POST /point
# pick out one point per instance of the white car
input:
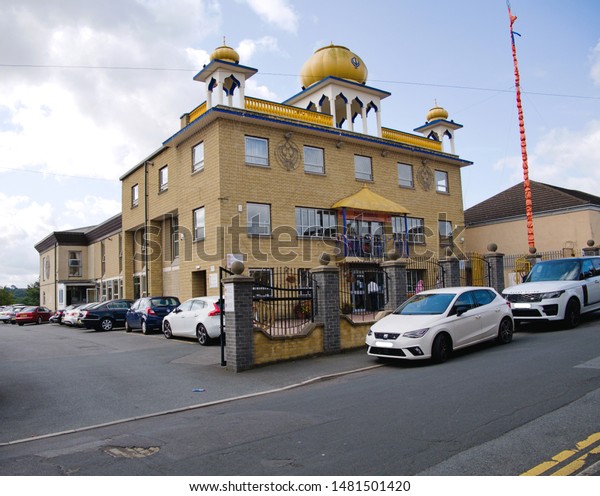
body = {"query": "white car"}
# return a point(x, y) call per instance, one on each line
point(557, 290)
point(433, 323)
point(198, 318)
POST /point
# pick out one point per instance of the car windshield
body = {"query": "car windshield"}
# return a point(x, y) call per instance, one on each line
point(164, 302)
point(27, 309)
point(555, 270)
point(426, 304)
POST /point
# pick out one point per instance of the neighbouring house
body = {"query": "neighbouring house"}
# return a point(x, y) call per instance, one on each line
point(81, 265)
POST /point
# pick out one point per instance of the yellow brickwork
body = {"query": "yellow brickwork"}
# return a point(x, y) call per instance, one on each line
point(269, 350)
point(352, 335)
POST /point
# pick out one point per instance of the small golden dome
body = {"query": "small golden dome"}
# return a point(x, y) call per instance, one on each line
point(333, 60)
point(225, 53)
point(436, 113)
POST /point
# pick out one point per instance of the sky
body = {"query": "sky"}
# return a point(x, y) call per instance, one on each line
point(88, 89)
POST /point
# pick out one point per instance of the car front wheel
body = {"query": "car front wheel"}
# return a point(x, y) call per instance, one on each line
point(106, 324)
point(202, 335)
point(441, 348)
point(572, 314)
point(505, 331)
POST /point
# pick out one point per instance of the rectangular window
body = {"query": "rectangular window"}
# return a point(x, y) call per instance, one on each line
point(163, 178)
point(405, 175)
point(175, 236)
point(75, 264)
point(445, 232)
point(313, 160)
point(259, 218)
point(199, 224)
point(198, 157)
point(441, 181)
point(257, 151)
point(363, 168)
point(415, 227)
point(316, 222)
point(135, 195)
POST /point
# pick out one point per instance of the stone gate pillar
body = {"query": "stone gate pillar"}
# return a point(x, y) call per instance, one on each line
point(451, 272)
point(328, 303)
point(496, 264)
point(395, 271)
point(239, 351)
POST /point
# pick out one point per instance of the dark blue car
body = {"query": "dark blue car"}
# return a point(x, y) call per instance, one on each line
point(147, 313)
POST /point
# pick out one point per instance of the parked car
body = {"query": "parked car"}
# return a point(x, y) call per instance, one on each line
point(7, 315)
point(557, 290)
point(32, 315)
point(106, 316)
point(195, 318)
point(147, 313)
point(56, 317)
point(79, 313)
point(70, 315)
point(433, 323)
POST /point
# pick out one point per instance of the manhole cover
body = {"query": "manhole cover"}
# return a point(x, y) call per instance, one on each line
point(131, 452)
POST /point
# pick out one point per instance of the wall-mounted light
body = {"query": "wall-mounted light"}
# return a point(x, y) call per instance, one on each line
point(384, 153)
point(339, 144)
point(288, 135)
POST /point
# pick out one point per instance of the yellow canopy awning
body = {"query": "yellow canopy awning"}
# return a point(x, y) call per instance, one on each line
point(367, 200)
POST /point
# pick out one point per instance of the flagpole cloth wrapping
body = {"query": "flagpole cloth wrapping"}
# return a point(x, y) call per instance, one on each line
point(528, 203)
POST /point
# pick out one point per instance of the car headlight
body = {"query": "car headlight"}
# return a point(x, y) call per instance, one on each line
point(419, 333)
point(552, 294)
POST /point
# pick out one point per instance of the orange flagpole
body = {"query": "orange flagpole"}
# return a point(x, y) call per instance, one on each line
point(527, 186)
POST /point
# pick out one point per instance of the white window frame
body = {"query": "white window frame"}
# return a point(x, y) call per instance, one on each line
point(414, 223)
point(441, 182)
point(314, 166)
point(256, 158)
point(199, 219)
point(262, 226)
point(163, 178)
point(445, 232)
point(75, 263)
point(404, 181)
point(198, 157)
point(316, 222)
point(360, 163)
point(135, 195)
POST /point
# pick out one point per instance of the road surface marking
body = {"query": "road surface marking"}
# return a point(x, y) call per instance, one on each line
point(578, 455)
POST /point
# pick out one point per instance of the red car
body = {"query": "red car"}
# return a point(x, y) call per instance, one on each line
point(33, 315)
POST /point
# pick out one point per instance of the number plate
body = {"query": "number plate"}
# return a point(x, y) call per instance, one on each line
point(384, 344)
point(522, 305)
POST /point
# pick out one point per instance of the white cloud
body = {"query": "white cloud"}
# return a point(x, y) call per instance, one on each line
point(595, 64)
point(562, 157)
point(21, 223)
point(78, 211)
point(247, 48)
point(277, 12)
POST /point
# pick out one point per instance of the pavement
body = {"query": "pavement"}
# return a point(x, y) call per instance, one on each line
point(217, 385)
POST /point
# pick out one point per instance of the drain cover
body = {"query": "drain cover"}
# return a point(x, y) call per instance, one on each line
point(131, 452)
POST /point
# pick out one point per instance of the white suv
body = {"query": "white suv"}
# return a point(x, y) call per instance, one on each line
point(557, 290)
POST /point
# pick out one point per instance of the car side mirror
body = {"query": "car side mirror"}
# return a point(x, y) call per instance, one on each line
point(177, 310)
point(460, 309)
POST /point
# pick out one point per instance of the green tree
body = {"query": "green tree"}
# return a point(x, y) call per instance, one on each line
point(32, 294)
point(6, 296)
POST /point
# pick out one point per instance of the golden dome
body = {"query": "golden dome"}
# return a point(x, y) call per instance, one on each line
point(225, 53)
point(436, 113)
point(333, 60)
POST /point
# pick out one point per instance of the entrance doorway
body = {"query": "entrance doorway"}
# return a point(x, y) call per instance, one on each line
point(198, 283)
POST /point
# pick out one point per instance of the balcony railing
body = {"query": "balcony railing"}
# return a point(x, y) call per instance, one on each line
point(299, 114)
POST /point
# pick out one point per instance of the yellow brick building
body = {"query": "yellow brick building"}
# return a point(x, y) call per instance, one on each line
point(278, 184)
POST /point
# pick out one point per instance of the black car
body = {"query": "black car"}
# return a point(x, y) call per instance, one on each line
point(105, 316)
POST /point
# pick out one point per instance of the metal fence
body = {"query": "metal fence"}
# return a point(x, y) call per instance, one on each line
point(283, 300)
point(475, 270)
point(424, 273)
point(363, 291)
